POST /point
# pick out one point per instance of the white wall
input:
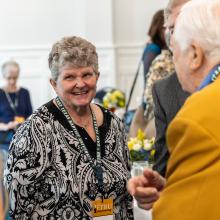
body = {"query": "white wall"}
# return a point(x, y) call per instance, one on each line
point(100, 30)
point(28, 23)
point(99, 25)
point(117, 27)
point(29, 27)
point(132, 20)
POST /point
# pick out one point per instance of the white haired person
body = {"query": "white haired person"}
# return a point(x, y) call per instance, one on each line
point(191, 190)
point(70, 159)
point(15, 108)
point(15, 104)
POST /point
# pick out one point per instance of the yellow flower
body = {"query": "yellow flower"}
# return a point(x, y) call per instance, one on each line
point(141, 148)
point(140, 135)
point(137, 146)
point(121, 103)
point(114, 99)
point(152, 140)
point(152, 153)
point(133, 142)
point(130, 145)
point(147, 144)
point(105, 103)
point(118, 94)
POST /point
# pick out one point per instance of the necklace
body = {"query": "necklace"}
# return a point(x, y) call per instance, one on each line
point(96, 165)
point(84, 123)
point(215, 74)
point(211, 77)
point(12, 104)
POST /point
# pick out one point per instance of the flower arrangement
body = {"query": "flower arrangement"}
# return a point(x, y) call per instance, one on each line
point(113, 100)
point(141, 149)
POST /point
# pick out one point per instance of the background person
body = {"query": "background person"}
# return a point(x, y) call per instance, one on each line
point(164, 111)
point(167, 96)
point(15, 107)
point(148, 191)
point(155, 43)
point(161, 67)
point(193, 136)
point(70, 153)
point(15, 104)
point(164, 94)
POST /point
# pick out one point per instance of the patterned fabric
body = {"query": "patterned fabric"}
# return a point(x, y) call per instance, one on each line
point(3, 194)
point(161, 66)
point(49, 177)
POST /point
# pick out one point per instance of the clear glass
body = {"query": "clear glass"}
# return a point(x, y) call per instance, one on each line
point(138, 167)
point(137, 170)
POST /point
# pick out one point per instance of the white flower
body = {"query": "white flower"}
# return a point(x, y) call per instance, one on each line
point(137, 147)
point(147, 145)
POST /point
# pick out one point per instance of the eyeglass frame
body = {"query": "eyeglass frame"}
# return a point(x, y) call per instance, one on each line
point(168, 34)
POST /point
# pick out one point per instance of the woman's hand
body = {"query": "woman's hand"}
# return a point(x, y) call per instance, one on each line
point(8, 126)
point(146, 188)
point(12, 125)
point(3, 127)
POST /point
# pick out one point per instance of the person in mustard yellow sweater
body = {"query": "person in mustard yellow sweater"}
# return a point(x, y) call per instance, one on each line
point(190, 191)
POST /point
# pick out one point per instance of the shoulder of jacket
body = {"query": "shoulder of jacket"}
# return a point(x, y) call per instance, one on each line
point(165, 83)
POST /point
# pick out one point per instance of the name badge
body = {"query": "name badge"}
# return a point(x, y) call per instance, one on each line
point(102, 209)
point(19, 119)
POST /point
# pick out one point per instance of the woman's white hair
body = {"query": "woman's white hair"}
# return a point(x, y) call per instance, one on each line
point(199, 21)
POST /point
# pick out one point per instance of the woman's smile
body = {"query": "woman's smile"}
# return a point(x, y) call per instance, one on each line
point(79, 93)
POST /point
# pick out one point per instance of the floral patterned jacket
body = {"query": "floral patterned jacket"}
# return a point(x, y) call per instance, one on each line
point(49, 177)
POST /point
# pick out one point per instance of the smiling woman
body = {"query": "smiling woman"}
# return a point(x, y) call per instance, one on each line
point(71, 156)
point(76, 86)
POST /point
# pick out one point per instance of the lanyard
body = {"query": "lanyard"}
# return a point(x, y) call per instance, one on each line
point(97, 168)
point(12, 104)
point(211, 77)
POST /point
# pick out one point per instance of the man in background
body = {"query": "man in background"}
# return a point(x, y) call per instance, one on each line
point(168, 96)
point(193, 137)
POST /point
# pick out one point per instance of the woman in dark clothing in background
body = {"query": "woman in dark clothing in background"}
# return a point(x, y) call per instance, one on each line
point(15, 107)
point(156, 42)
point(15, 104)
